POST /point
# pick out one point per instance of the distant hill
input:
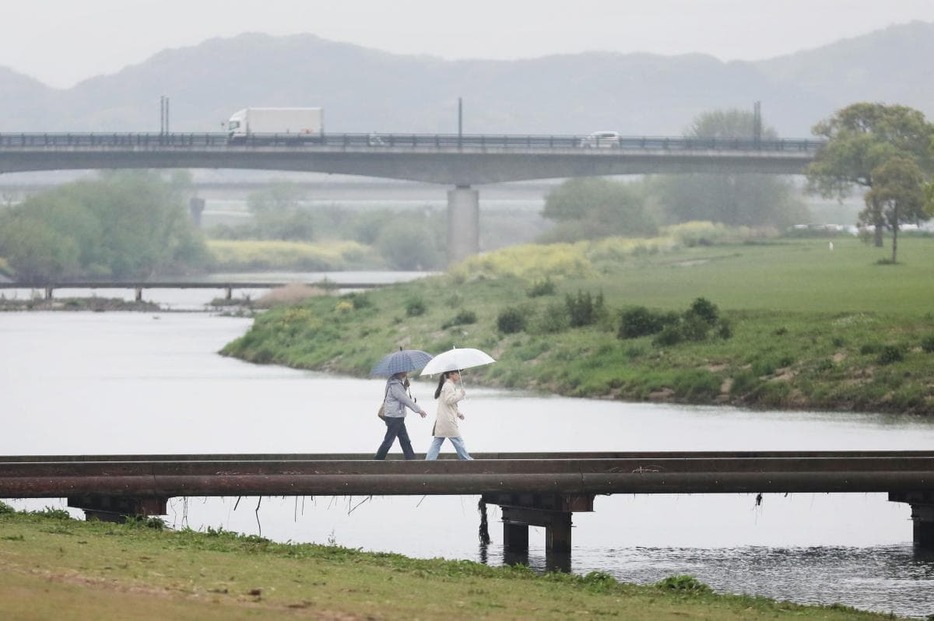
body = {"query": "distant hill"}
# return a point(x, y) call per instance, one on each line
point(365, 90)
point(890, 66)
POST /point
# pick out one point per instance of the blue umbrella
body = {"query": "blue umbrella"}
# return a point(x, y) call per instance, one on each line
point(403, 360)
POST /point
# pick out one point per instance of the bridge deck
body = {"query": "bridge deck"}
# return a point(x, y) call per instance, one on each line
point(166, 476)
point(449, 159)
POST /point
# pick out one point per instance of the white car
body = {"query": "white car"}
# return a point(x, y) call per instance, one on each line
point(604, 140)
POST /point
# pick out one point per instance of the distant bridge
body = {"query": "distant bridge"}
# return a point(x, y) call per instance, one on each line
point(139, 286)
point(449, 159)
point(457, 160)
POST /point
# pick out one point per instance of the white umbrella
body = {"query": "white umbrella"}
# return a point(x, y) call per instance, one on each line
point(456, 359)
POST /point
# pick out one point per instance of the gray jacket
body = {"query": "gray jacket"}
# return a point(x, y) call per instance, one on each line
point(397, 399)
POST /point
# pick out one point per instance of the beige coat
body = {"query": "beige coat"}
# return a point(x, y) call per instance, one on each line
point(447, 415)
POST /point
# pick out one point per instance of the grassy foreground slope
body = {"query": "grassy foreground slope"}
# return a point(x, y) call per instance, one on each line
point(810, 326)
point(58, 568)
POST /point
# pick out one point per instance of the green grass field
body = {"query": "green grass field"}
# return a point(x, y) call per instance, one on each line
point(58, 568)
point(784, 275)
point(809, 327)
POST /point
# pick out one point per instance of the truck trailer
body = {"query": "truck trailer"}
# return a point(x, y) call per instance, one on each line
point(276, 124)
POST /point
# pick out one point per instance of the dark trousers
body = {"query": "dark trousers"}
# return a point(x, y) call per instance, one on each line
point(395, 428)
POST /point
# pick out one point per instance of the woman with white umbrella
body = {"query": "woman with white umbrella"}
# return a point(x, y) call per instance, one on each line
point(448, 393)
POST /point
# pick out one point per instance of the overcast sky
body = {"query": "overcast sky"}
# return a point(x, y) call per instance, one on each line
point(61, 42)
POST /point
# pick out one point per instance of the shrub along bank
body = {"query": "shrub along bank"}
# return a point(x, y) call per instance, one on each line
point(779, 324)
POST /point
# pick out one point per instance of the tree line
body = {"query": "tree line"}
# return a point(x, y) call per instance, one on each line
point(886, 151)
point(123, 225)
point(135, 224)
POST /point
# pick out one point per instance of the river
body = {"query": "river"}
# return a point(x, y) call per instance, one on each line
point(152, 383)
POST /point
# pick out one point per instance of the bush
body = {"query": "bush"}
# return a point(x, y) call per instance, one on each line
point(552, 319)
point(694, 328)
point(541, 287)
point(705, 310)
point(585, 309)
point(415, 307)
point(511, 320)
point(890, 354)
point(684, 583)
point(465, 317)
point(640, 321)
point(359, 300)
point(670, 335)
point(725, 331)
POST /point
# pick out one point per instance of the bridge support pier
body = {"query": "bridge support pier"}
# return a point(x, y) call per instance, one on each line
point(551, 511)
point(196, 208)
point(463, 223)
point(922, 516)
point(117, 508)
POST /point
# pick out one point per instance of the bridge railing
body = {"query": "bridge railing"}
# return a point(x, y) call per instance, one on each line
point(373, 141)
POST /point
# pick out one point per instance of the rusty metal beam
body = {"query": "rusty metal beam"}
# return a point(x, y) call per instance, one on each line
point(655, 473)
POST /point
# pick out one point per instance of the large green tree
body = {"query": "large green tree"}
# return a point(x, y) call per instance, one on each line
point(592, 208)
point(737, 199)
point(130, 224)
point(861, 139)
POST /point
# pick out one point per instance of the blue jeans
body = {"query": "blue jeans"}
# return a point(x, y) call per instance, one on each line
point(458, 443)
point(395, 428)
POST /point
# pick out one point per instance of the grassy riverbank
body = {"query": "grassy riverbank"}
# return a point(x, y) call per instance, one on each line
point(797, 325)
point(55, 567)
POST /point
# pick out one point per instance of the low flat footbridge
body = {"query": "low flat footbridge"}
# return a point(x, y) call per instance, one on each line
point(532, 489)
point(228, 288)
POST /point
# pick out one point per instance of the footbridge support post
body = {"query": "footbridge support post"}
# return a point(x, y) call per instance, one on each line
point(922, 516)
point(550, 511)
point(463, 223)
point(117, 508)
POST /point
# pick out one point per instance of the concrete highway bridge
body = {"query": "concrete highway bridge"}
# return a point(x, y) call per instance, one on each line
point(461, 162)
point(537, 489)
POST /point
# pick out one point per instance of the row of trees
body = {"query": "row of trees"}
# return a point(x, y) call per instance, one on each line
point(404, 242)
point(588, 208)
point(887, 151)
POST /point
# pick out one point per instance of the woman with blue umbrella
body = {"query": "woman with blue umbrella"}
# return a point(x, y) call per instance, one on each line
point(397, 399)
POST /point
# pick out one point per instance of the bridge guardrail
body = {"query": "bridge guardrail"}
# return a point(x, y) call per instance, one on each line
point(370, 141)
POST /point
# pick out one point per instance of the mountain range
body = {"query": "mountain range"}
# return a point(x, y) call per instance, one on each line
point(366, 90)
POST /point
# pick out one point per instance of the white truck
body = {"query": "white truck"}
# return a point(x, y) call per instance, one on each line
point(271, 124)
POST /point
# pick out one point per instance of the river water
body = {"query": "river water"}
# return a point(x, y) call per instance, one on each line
point(152, 383)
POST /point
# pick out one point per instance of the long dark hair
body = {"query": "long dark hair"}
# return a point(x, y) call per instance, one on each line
point(441, 380)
